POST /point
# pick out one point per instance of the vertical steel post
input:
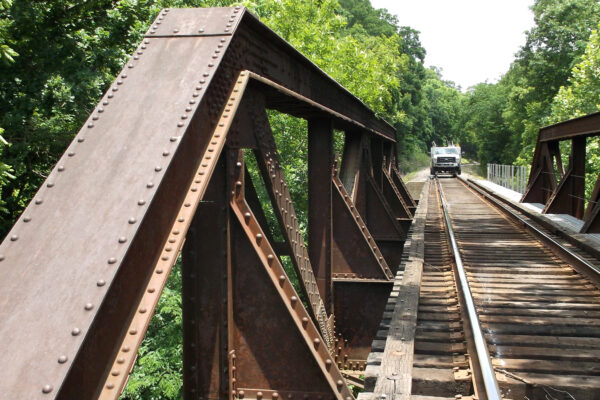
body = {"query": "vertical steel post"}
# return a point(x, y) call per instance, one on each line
point(320, 165)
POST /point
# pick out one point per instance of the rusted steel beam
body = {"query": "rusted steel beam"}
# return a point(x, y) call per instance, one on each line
point(351, 160)
point(264, 308)
point(140, 160)
point(204, 295)
point(588, 125)
point(591, 218)
point(320, 170)
point(408, 199)
point(568, 197)
point(355, 252)
point(272, 172)
point(542, 178)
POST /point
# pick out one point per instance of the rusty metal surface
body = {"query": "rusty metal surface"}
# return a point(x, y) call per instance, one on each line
point(568, 197)
point(79, 264)
point(264, 308)
point(320, 170)
point(588, 125)
point(78, 247)
point(592, 213)
point(181, 22)
point(355, 252)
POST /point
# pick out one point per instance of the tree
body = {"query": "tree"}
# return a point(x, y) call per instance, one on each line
point(554, 45)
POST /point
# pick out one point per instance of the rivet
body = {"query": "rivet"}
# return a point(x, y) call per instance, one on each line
point(211, 65)
point(150, 185)
point(176, 232)
point(133, 332)
point(141, 202)
point(131, 65)
point(184, 116)
point(241, 394)
point(75, 331)
point(110, 96)
point(152, 31)
point(62, 359)
point(259, 395)
point(192, 101)
point(142, 310)
point(270, 257)
point(275, 395)
point(172, 240)
point(80, 140)
point(195, 94)
point(14, 238)
point(125, 349)
point(200, 30)
point(179, 124)
point(181, 219)
point(194, 189)
point(173, 139)
point(112, 260)
point(151, 290)
point(88, 306)
point(39, 201)
point(247, 216)
point(198, 87)
point(110, 386)
point(120, 360)
point(120, 82)
point(160, 271)
point(115, 373)
point(293, 299)
point(26, 219)
point(132, 220)
point(158, 168)
point(259, 237)
point(47, 389)
point(101, 283)
point(317, 342)
point(136, 57)
point(61, 168)
point(2, 257)
point(281, 279)
point(175, 30)
point(165, 153)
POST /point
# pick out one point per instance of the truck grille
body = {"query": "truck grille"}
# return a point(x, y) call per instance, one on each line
point(446, 159)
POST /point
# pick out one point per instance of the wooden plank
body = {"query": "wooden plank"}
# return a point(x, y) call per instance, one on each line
point(399, 349)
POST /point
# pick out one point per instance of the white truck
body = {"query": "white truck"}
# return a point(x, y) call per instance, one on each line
point(445, 159)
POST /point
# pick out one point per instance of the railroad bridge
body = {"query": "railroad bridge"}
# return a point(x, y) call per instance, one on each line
point(466, 290)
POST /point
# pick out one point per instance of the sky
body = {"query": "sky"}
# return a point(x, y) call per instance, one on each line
point(471, 41)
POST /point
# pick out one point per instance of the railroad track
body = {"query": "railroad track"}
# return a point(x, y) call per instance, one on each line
point(539, 315)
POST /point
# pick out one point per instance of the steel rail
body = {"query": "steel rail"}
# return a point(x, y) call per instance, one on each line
point(488, 375)
point(574, 257)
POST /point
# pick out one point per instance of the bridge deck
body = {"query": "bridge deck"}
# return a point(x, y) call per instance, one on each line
point(539, 313)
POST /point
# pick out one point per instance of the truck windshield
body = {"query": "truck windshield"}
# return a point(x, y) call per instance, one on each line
point(446, 150)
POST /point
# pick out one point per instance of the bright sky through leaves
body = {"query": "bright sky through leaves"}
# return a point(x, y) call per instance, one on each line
point(470, 40)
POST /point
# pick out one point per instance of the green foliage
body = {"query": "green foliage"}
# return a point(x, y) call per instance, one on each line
point(581, 96)
point(543, 65)
point(158, 370)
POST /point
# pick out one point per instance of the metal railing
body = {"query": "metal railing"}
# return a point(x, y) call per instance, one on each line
point(513, 177)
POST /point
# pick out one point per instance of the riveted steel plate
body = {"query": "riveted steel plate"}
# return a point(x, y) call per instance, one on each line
point(74, 235)
point(196, 22)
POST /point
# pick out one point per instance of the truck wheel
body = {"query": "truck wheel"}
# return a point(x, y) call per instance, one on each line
point(459, 171)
